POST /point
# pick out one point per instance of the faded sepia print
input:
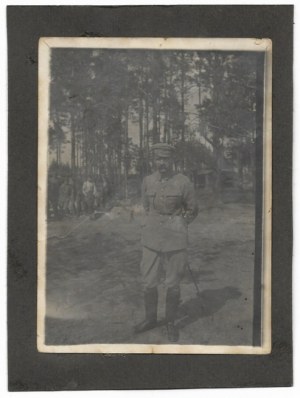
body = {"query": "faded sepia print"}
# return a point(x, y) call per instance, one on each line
point(154, 195)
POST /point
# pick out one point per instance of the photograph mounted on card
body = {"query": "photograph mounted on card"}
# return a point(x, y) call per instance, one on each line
point(154, 200)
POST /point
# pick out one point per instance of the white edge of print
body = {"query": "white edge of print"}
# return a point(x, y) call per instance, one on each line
point(224, 44)
point(267, 204)
point(43, 120)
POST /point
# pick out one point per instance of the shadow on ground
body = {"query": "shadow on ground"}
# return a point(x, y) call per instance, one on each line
point(205, 304)
point(95, 331)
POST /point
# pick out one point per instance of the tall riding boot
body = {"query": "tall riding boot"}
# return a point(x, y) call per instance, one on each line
point(151, 300)
point(172, 303)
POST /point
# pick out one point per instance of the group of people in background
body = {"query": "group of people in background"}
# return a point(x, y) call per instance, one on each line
point(68, 196)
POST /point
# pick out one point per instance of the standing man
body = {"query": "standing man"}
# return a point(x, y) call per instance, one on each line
point(53, 193)
point(170, 204)
point(65, 196)
point(89, 192)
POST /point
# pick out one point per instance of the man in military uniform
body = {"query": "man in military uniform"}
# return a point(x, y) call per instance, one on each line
point(170, 204)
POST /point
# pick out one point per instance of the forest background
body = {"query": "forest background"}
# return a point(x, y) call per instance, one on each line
point(107, 107)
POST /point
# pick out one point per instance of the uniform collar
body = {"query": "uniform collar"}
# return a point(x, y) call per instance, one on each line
point(167, 178)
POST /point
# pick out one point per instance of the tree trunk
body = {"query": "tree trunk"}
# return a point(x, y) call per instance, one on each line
point(146, 133)
point(126, 154)
point(199, 96)
point(141, 118)
point(73, 162)
point(154, 114)
point(57, 152)
point(182, 88)
point(166, 111)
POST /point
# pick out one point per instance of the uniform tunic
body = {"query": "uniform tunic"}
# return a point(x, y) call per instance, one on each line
point(170, 205)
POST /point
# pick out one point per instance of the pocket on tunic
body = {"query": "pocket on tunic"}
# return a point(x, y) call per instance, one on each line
point(173, 201)
point(177, 223)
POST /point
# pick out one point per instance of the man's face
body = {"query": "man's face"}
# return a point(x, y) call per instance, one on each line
point(163, 164)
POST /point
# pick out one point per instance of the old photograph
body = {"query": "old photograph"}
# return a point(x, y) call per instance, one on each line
point(154, 195)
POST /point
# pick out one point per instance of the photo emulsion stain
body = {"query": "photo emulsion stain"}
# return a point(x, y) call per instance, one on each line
point(154, 177)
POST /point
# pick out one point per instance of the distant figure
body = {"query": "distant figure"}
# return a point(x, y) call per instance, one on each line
point(65, 196)
point(52, 195)
point(170, 203)
point(99, 193)
point(105, 191)
point(78, 195)
point(71, 204)
point(89, 194)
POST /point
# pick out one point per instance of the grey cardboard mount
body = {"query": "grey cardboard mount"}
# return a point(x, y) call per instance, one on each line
point(30, 370)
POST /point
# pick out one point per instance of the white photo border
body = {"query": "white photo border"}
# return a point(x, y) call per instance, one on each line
point(224, 44)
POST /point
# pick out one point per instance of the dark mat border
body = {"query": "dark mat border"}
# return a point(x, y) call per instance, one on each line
point(30, 370)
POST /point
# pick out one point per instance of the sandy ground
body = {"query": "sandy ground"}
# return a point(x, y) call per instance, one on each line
point(94, 292)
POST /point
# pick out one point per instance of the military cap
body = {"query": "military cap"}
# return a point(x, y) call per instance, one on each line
point(162, 149)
